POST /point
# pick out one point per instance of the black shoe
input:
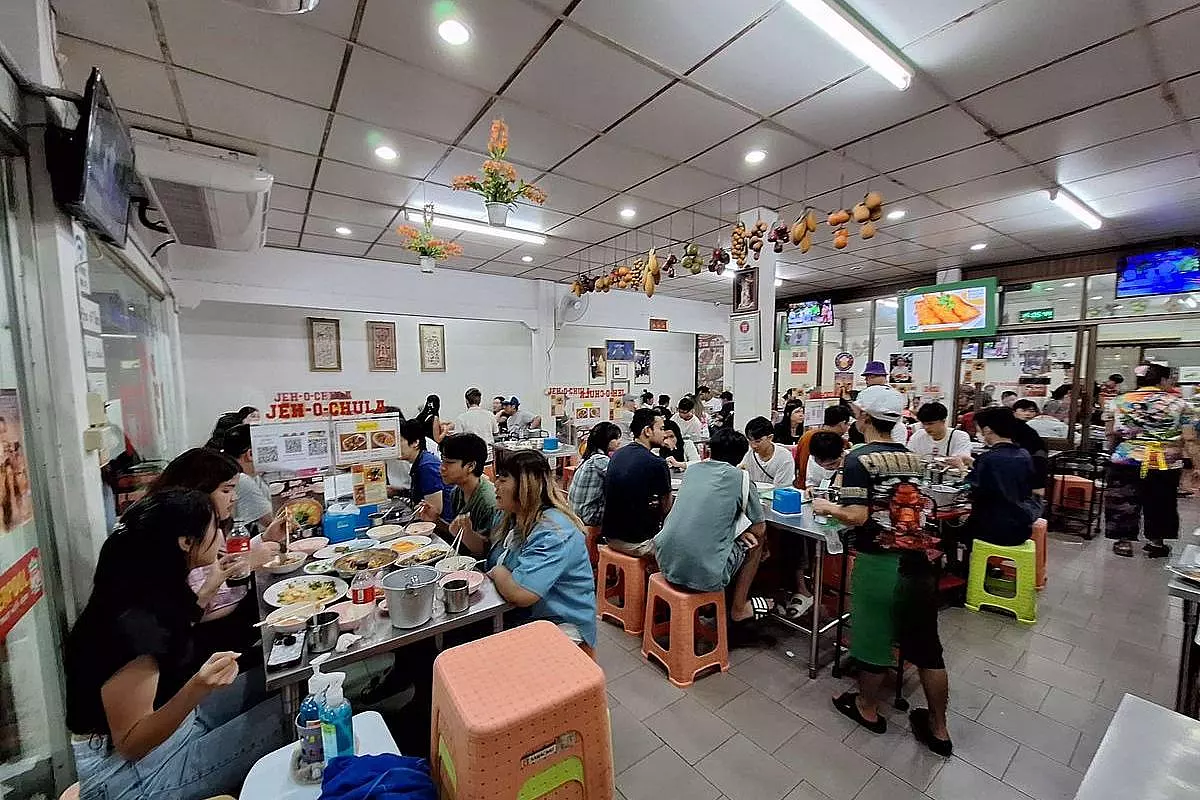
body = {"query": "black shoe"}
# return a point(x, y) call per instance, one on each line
point(922, 728)
point(847, 703)
point(1157, 550)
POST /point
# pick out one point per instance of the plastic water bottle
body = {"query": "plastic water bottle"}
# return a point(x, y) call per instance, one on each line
point(362, 588)
point(341, 520)
point(238, 544)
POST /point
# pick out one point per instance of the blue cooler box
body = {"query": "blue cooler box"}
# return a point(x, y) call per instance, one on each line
point(787, 501)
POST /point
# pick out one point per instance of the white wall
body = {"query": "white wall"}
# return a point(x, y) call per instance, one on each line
point(672, 358)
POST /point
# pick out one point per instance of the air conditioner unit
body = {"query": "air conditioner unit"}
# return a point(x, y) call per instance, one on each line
point(210, 197)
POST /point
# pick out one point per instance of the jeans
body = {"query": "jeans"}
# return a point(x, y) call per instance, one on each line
point(208, 755)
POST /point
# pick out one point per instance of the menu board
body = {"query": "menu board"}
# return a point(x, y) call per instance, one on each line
point(370, 483)
point(948, 311)
point(291, 446)
point(373, 438)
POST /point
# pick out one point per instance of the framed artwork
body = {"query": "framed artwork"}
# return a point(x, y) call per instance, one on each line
point(597, 366)
point(433, 347)
point(745, 338)
point(620, 370)
point(381, 346)
point(619, 349)
point(710, 361)
point(641, 366)
point(745, 290)
point(324, 345)
point(623, 388)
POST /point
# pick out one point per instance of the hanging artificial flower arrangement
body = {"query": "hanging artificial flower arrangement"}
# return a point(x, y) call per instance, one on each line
point(500, 187)
point(423, 243)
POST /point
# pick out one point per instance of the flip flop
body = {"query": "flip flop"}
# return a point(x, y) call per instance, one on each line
point(796, 609)
point(847, 703)
point(1123, 549)
point(761, 607)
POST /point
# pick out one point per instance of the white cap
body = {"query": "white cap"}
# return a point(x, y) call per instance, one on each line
point(881, 402)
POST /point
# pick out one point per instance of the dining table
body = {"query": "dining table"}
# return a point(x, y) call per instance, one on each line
point(1187, 692)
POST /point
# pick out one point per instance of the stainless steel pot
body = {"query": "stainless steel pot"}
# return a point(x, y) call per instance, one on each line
point(409, 594)
point(322, 632)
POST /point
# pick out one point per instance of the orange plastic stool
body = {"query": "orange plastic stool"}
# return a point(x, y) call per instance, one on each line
point(521, 714)
point(592, 537)
point(1071, 491)
point(1039, 541)
point(623, 598)
point(680, 626)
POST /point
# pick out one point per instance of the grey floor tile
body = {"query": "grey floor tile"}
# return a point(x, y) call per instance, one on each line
point(826, 763)
point(806, 791)
point(959, 780)
point(744, 771)
point(772, 676)
point(1085, 751)
point(899, 753)
point(1041, 778)
point(765, 722)
point(968, 699)
point(716, 689)
point(814, 703)
point(1064, 677)
point(664, 774)
point(690, 729)
point(1002, 654)
point(615, 634)
point(1049, 648)
point(1005, 683)
point(980, 746)
point(1030, 728)
point(644, 691)
point(631, 740)
point(886, 786)
point(614, 661)
point(1069, 709)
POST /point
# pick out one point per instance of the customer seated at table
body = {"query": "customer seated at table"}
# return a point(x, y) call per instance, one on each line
point(540, 560)
point(477, 420)
point(790, 427)
point(471, 497)
point(587, 487)
point(430, 417)
point(826, 453)
point(243, 416)
point(253, 494)
point(702, 546)
point(517, 421)
point(766, 461)
point(689, 421)
point(647, 399)
point(837, 420)
point(1030, 439)
point(1042, 423)
point(677, 451)
point(936, 439)
point(664, 401)
point(146, 722)
point(1003, 505)
point(425, 470)
point(637, 491)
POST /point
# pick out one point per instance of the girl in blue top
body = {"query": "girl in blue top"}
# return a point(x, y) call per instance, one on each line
point(540, 561)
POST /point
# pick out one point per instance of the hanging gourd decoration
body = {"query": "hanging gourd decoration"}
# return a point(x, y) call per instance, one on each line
point(861, 213)
point(874, 203)
point(839, 218)
point(756, 238)
point(841, 238)
point(738, 243)
point(868, 230)
point(805, 242)
point(799, 230)
point(811, 221)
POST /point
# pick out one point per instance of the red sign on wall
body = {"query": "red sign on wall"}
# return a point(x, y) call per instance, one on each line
point(20, 589)
point(334, 403)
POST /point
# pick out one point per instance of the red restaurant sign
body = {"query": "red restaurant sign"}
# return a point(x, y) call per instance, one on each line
point(332, 403)
point(20, 588)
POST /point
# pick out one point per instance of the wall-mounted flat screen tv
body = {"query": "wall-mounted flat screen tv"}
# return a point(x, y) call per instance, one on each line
point(1159, 272)
point(810, 314)
point(948, 311)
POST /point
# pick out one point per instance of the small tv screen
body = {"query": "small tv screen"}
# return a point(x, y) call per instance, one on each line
point(948, 311)
point(810, 314)
point(1159, 272)
point(997, 348)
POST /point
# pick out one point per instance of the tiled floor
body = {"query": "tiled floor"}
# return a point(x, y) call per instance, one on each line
point(1028, 704)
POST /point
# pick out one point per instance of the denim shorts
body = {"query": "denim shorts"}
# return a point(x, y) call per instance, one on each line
point(737, 557)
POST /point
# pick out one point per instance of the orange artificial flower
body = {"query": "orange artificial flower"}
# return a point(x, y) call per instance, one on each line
point(502, 169)
point(533, 193)
point(498, 138)
point(464, 182)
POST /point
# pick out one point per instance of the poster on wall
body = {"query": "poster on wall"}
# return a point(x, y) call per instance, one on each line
point(291, 446)
point(710, 361)
point(1189, 374)
point(1036, 361)
point(900, 368)
point(21, 587)
point(357, 441)
point(433, 347)
point(800, 361)
point(843, 361)
point(744, 338)
point(381, 346)
point(843, 383)
point(641, 367)
point(16, 494)
point(324, 345)
point(597, 366)
point(620, 370)
point(745, 290)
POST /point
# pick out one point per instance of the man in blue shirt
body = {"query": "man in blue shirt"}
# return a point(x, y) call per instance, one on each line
point(637, 489)
point(1003, 505)
point(426, 472)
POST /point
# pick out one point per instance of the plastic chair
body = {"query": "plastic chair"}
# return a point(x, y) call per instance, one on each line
point(679, 626)
point(1039, 541)
point(621, 588)
point(1023, 602)
point(522, 714)
point(1075, 492)
point(592, 538)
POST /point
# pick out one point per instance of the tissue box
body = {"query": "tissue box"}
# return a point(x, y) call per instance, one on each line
point(787, 501)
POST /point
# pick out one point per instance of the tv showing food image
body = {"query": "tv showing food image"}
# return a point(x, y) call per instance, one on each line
point(947, 311)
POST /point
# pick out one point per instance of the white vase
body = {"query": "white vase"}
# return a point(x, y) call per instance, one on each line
point(497, 213)
point(427, 263)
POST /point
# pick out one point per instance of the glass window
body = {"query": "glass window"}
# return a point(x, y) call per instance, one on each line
point(915, 363)
point(1042, 301)
point(850, 333)
point(1102, 302)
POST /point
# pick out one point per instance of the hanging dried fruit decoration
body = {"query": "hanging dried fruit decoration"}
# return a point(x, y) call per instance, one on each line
point(779, 235)
point(756, 238)
point(738, 243)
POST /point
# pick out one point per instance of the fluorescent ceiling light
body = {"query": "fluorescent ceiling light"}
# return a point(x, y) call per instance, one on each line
point(897, 214)
point(846, 30)
point(755, 156)
point(527, 259)
point(118, 336)
point(979, 246)
point(386, 153)
point(1075, 208)
point(416, 215)
point(628, 212)
point(454, 32)
point(342, 230)
point(1069, 285)
point(858, 310)
point(779, 282)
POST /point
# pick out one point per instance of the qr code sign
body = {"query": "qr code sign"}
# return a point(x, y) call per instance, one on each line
point(318, 447)
point(293, 446)
point(267, 454)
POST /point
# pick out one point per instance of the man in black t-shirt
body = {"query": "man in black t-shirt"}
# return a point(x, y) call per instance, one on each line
point(637, 488)
point(1003, 504)
point(895, 592)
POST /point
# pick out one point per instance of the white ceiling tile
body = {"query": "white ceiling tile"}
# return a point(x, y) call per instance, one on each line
point(133, 82)
point(553, 81)
point(533, 139)
point(289, 198)
point(932, 135)
point(266, 51)
point(905, 23)
point(125, 24)
point(917, 229)
point(386, 252)
point(359, 232)
point(386, 92)
point(1048, 218)
point(959, 239)
point(501, 268)
point(278, 220)
point(354, 142)
point(1156, 201)
point(358, 182)
point(1175, 39)
point(571, 196)
point(332, 16)
point(294, 169)
point(1111, 120)
point(605, 163)
point(820, 175)
point(964, 165)
point(913, 208)
point(554, 248)
point(588, 230)
point(996, 187)
point(148, 123)
point(248, 114)
point(283, 238)
point(332, 244)
point(680, 123)
point(1161, 8)
point(1009, 207)
point(1188, 93)
point(476, 245)
point(729, 159)
point(1012, 37)
point(1146, 176)
point(460, 161)
point(682, 186)
point(856, 107)
point(1121, 154)
point(351, 211)
point(743, 71)
point(502, 34)
point(646, 211)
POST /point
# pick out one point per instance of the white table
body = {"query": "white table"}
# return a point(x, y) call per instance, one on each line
point(1187, 694)
point(271, 776)
point(1148, 753)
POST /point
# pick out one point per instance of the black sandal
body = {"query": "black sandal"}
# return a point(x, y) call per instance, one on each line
point(1157, 550)
point(847, 703)
point(1123, 549)
point(922, 728)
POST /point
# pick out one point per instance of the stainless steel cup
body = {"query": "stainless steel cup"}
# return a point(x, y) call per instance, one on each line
point(322, 632)
point(457, 595)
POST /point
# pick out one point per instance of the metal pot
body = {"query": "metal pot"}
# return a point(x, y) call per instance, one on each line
point(409, 594)
point(944, 495)
point(322, 632)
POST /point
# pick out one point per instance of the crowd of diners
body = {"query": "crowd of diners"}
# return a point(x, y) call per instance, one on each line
point(164, 673)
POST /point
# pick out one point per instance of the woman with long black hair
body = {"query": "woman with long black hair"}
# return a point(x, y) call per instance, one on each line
point(587, 487)
point(431, 419)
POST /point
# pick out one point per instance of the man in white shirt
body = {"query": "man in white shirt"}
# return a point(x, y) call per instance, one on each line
point(689, 422)
point(766, 461)
point(899, 433)
point(825, 454)
point(477, 420)
point(936, 439)
point(624, 415)
point(710, 402)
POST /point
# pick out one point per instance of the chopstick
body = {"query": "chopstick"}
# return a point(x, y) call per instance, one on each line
point(297, 610)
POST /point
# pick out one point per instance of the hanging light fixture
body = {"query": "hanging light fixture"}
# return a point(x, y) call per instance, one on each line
point(280, 6)
point(844, 27)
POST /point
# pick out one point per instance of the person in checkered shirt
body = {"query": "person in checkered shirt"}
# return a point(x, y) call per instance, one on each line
point(587, 487)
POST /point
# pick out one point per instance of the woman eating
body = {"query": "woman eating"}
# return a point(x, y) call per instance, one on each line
point(541, 563)
point(253, 494)
point(790, 428)
point(587, 487)
point(133, 697)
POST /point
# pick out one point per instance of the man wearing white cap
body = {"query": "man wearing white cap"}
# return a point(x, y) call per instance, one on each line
point(895, 590)
point(898, 433)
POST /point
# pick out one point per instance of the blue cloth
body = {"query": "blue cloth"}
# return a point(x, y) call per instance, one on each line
point(426, 476)
point(383, 777)
point(553, 563)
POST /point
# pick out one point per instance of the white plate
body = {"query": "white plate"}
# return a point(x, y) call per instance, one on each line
point(419, 541)
point(324, 567)
point(383, 533)
point(341, 548)
point(271, 595)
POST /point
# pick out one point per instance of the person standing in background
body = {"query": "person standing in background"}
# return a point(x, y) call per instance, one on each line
point(1059, 404)
point(624, 415)
point(875, 373)
point(477, 420)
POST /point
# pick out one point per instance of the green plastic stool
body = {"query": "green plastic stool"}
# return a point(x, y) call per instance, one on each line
point(1024, 603)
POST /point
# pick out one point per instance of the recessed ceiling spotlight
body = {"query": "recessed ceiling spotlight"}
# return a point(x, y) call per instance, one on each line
point(342, 230)
point(897, 214)
point(755, 156)
point(527, 259)
point(979, 246)
point(779, 282)
point(1069, 285)
point(454, 32)
point(386, 153)
point(628, 212)
point(859, 310)
point(1097, 297)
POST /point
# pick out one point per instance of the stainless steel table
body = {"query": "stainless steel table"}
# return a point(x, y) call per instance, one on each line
point(379, 637)
point(1148, 753)
point(1187, 694)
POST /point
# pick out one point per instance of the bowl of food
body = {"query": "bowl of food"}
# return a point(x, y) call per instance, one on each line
point(320, 567)
point(474, 579)
point(290, 619)
point(455, 564)
point(309, 545)
point(420, 529)
point(283, 563)
point(384, 533)
point(304, 512)
point(373, 561)
point(352, 616)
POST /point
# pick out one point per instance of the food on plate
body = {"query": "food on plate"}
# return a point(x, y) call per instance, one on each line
point(383, 439)
point(365, 559)
point(322, 567)
point(424, 556)
point(420, 529)
point(381, 533)
point(305, 512)
point(333, 551)
point(405, 547)
point(944, 309)
point(353, 441)
point(306, 591)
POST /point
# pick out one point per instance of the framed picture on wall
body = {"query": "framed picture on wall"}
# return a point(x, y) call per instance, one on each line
point(433, 347)
point(744, 335)
point(381, 346)
point(622, 387)
point(597, 366)
point(745, 290)
point(620, 370)
point(641, 366)
point(710, 361)
point(324, 345)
